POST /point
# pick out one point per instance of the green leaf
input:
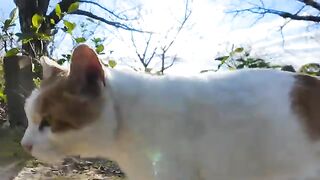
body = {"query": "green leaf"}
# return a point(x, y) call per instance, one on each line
point(25, 37)
point(207, 70)
point(99, 48)
point(96, 40)
point(112, 63)
point(221, 58)
point(12, 52)
point(3, 97)
point(44, 37)
point(52, 21)
point(37, 20)
point(37, 81)
point(80, 39)
point(10, 21)
point(14, 14)
point(58, 11)
point(73, 7)
point(223, 61)
point(26, 40)
point(6, 24)
point(311, 69)
point(239, 50)
point(69, 26)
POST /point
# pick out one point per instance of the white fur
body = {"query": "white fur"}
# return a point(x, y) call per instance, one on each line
point(216, 126)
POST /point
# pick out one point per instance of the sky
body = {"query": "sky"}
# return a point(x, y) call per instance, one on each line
point(208, 33)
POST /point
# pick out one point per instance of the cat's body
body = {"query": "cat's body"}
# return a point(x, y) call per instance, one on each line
point(242, 125)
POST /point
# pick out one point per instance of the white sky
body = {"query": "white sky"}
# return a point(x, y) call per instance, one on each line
point(210, 32)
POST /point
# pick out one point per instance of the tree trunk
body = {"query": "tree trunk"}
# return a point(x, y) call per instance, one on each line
point(18, 69)
point(27, 8)
point(18, 85)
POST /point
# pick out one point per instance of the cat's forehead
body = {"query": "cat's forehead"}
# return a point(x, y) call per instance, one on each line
point(47, 92)
point(65, 109)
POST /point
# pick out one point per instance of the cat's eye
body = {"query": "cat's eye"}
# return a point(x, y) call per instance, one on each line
point(45, 122)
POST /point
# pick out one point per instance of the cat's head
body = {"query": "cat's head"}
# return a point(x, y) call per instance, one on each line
point(71, 113)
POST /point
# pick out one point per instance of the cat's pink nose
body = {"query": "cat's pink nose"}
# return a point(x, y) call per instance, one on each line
point(27, 147)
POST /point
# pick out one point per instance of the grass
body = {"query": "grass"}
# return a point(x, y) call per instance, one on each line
point(10, 148)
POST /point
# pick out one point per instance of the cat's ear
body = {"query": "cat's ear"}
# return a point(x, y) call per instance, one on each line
point(50, 68)
point(86, 72)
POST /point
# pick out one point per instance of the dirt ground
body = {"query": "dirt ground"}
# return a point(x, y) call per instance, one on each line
point(15, 164)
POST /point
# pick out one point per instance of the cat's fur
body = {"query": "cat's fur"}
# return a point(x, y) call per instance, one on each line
point(240, 125)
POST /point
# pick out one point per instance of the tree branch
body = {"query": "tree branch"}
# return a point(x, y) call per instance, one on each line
point(311, 3)
point(111, 23)
point(187, 15)
point(283, 14)
point(143, 58)
point(64, 5)
point(109, 11)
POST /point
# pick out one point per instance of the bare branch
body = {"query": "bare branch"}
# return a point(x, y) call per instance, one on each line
point(165, 67)
point(281, 31)
point(143, 58)
point(171, 64)
point(109, 11)
point(185, 19)
point(165, 48)
point(111, 23)
point(283, 14)
point(311, 3)
point(152, 56)
point(65, 4)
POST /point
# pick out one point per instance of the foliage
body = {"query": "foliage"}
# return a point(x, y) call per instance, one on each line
point(239, 58)
point(311, 69)
point(85, 37)
point(11, 42)
point(3, 97)
point(8, 45)
point(7, 34)
point(37, 81)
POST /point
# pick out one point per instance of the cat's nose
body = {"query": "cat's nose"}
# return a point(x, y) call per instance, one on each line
point(27, 147)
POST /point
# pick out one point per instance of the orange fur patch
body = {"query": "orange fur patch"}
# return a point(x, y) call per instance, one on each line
point(306, 102)
point(66, 109)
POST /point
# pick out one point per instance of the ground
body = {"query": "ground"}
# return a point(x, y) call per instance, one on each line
point(15, 164)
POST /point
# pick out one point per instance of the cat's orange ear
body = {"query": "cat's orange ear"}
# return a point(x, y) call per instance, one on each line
point(86, 71)
point(50, 68)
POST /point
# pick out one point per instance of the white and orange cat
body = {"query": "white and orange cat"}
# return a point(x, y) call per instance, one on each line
point(240, 125)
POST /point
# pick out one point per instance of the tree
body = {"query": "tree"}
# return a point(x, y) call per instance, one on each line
point(38, 26)
point(33, 13)
point(159, 48)
point(307, 10)
point(296, 15)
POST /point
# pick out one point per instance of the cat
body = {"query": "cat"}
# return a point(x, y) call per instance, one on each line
point(237, 125)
